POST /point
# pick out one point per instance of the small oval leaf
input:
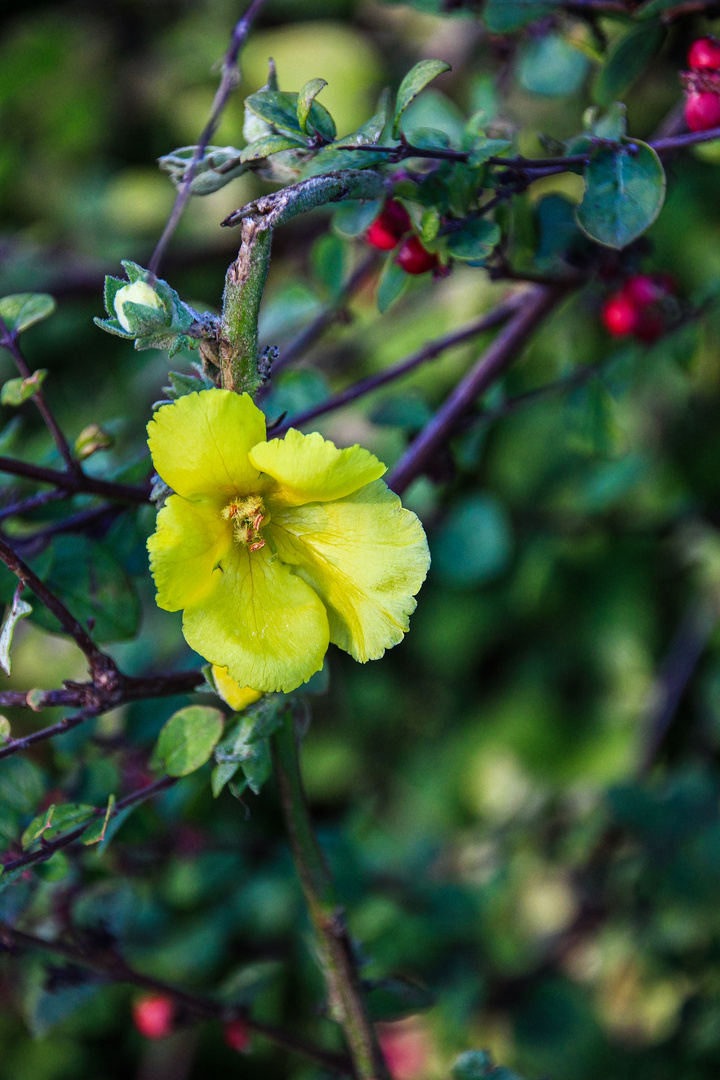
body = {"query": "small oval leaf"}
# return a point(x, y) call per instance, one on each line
point(306, 97)
point(188, 739)
point(22, 310)
point(415, 81)
point(624, 192)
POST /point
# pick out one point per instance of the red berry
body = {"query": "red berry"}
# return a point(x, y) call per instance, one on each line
point(619, 315)
point(236, 1035)
point(154, 1016)
point(389, 226)
point(378, 236)
point(704, 54)
point(645, 289)
point(702, 110)
point(414, 258)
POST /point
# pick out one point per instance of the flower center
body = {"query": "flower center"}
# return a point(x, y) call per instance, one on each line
point(248, 517)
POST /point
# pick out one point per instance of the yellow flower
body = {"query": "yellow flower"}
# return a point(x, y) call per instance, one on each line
point(237, 697)
point(274, 549)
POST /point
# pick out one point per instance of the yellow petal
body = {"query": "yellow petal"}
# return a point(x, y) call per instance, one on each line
point(189, 540)
point(260, 621)
point(366, 558)
point(200, 443)
point(309, 468)
point(237, 697)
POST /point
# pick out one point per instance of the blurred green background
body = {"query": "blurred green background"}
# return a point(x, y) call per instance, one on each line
point(479, 790)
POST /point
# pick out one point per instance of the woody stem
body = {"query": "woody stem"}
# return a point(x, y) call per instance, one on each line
point(334, 948)
point(244, 284)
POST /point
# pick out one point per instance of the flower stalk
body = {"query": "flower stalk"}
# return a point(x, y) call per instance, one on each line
point(244, 284)
point(345, 994)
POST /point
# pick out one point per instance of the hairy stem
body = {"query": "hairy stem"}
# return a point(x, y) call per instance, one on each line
point(345, 993)
point(244, 284)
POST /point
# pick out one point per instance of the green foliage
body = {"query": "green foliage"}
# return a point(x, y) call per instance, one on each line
point(188, 739)
point(16, 391)
point(19, 609)
point(414, 82)
point(22, 310)
point(624, 193)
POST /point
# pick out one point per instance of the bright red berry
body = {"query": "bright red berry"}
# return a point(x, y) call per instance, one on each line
point(154, 1016)
point(414, 258)
point(237, 1035)
point(619, 315)
point(702, 110)
point(389, 226)
point(704, 54)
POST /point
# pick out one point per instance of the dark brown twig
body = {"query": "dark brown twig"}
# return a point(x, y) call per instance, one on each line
point(428, 352)
point(101, 665)
point(538, 303)
point(309, 335)
point(228, 82)
point(9, 341)
point(76, 485)
point(113, 967)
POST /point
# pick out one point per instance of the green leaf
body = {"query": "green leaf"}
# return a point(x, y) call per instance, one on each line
point(328, 257)
point(55, 820)
point(654, 7)
point(396, 998)
point(353, 218)
point(94, 586)
point(393, 283)
point(624, 193)
point(627, 60)
point(552, 67)
point(475, 241)
point(306, 97)
point(21, 310)
point(71, 989)
point(270, 144)
point(19, 609)
point(188, 739)
point(483, 148)
point(369, 132)
point(608, 124)
point(247, 982)
point(414, 82)
point(5, 733)
point(474, 544)
point(277, 108)
point(96, 831)
point(503, 15)
point(478, 1065)
point(17, 391)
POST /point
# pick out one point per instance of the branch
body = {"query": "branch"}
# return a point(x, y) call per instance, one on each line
point(328, 316)
point(9, 341)
point(228, 82)
point(76, 485)
point(676, 671)
point(428, 352)
point(50, 847)
point(101, 665)
point(114, 968)
point(539, 301)
point(92, 700)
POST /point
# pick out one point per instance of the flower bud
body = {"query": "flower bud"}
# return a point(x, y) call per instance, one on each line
point(137, 293)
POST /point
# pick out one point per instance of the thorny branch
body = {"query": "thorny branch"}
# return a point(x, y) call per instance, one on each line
point(111, 965)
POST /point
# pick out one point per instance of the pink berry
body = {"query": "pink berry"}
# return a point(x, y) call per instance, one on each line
point(237, 1035)
point(702, 110)
point(619, 315)
point(645, 289)
point(414, 258)
point(154, 1016)
point(704, 54)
